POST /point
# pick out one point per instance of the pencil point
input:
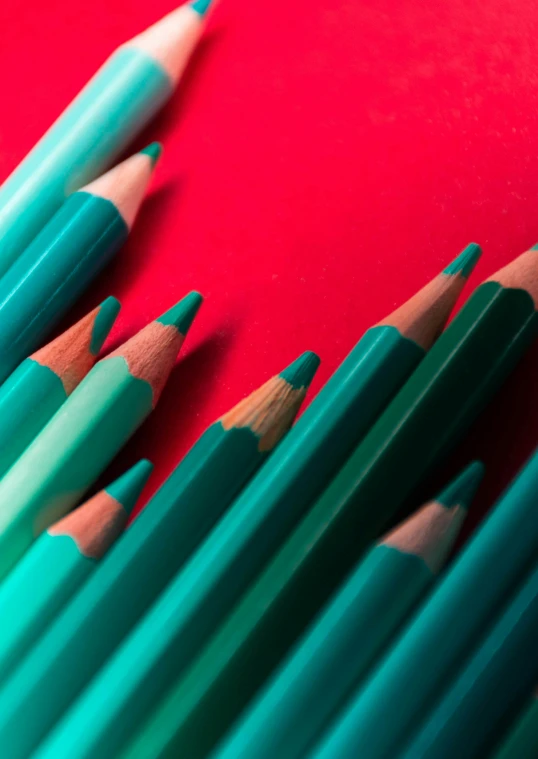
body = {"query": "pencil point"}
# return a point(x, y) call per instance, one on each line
point(154, 151)
point(201, 6)
point(465, 262)
point(127, 488)
point(461, 491)
point(300, 372)
point(108, 311)
point(182, 314)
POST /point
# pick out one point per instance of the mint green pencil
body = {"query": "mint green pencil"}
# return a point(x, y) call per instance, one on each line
point(87, 431)
point(98, 125)
point(59, 562)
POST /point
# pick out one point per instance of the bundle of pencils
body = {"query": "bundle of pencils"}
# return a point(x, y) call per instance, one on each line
point(263, 604)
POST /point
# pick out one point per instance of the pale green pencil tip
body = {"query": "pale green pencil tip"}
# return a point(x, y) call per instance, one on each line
point(465, 262)
point(127, 488)
point(103, 323)
point(301, 372)
point(535, 247)
point(462, 489)
point(201, 6)
point(154, 151)
point(182, 314)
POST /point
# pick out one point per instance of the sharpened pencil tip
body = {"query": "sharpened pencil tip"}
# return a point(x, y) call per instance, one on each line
point(103, 323)
point(465, 262)
point(300, 372)
point(127, 488)
point(182, 314)
point(201, 6)
point(154, 151)
point(462, 489)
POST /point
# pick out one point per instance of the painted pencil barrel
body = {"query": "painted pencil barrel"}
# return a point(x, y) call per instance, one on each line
point(30, 396)
point(493, 683)
point(53, 271)
point(522, 739)
point(440, 636)
point(59, 562)
point(117, 103)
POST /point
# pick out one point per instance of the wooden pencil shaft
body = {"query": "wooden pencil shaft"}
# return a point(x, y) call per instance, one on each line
point(98, 125)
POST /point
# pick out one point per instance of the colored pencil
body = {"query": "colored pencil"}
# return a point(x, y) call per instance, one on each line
point(522, 739)
point(31, 396)
point(176, 624)
point(156, 545)
point(87, 431)
point(446, 628)
point(67, 255)
point(60, 560)
point(98, 125)
point(493, 683)
point(340, 648)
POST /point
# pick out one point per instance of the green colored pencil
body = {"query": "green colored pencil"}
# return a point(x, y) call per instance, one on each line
point(522, 740)
point(440, 636)
point(87, 431)
point(67, 255)
point(339, 649)
point(156, 545)
point(59, 562)
point(98, 125)
point(494, 681)
point(30, 397)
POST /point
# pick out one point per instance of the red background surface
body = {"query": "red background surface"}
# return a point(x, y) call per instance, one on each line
point(322, 161)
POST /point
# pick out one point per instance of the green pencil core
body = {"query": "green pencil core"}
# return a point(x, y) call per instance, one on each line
point(463, 487)
point(103, 323)
point(182, 314)
point(465, 262)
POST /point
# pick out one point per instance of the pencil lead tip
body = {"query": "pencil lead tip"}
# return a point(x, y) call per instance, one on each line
point(127, 488)
point(461, 490)
point(201, 6)
point(154, 151)
point(465, 262)
point(182, 314)
point(300, 372)
point(106, 316)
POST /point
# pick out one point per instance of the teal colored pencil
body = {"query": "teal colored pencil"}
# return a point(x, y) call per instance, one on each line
point(492, 684)
point(385, 712)
point(59, 562)
point(522, 739)
point(342, 645)
point(87, 431)
point(181, 620)
point(97, 127)
point(30, 396)
point(68, 253)
point(154, 547)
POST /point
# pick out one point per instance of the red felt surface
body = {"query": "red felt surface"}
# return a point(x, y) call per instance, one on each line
point(322, 160)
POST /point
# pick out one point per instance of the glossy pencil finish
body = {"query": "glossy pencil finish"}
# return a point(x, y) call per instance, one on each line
point(338, 650)
point(154, 547)
point(87, 431)
point(493, 683)
point(60, 560)
point(174, 627)
point(522, 740)
point(440, 637)
point(67, 255)
point(97, 127)
point(31, 396)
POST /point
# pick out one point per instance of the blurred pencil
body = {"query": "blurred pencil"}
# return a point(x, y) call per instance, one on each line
point(338, 650)
point(489, 568)
point(67, 255)
point(30, 396)
point(87, 431)
point(154, 547)
point(59, 562)
point(173, 629)
point(522, 739)
point(493, 682)
point(98, 125)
